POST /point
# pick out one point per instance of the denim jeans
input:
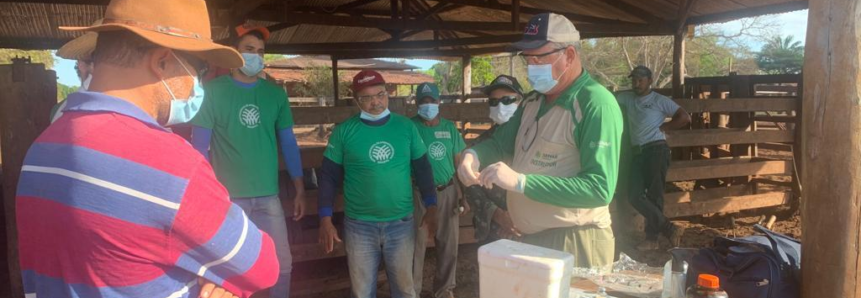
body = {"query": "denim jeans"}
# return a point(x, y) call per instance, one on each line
point(648, 175)
point(266, 213)
point(368, 243)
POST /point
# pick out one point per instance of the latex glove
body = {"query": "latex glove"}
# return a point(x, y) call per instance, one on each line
point(503, 176)
point(468, 169)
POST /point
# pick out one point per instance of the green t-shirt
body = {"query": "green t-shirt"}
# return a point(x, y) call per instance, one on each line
point(444, 143)
point(377, 166)
point(244, 123)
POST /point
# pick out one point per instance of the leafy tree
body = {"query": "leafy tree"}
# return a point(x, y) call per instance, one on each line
point(781, 55)
point(43, 57)
point(268, 58)
point(63, 91)
point(319, 83)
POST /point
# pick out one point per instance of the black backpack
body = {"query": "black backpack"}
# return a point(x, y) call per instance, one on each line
point(761, 266)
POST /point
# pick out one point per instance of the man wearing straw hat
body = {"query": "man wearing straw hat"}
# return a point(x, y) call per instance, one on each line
point(109, 202)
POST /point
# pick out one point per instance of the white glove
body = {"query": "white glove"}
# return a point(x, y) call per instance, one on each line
point(503, 176)
point(467, 171)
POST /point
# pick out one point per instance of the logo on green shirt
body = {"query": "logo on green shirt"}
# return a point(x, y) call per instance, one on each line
point(381, 152)
point(436, 150)
point(249, 116)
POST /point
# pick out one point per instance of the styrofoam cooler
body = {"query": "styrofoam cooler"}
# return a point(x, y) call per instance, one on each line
point(519, 270)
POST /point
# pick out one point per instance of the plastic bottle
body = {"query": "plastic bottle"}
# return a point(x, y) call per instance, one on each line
point(675, 275)
point(708, 286)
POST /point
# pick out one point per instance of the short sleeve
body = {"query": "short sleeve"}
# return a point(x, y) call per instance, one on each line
point(206, 116)
point(459, 144)
point(335, 148)
point(417, 146)
point(667, 105)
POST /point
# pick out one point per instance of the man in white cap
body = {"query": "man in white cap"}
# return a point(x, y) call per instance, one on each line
point(563, 143)
point(110, 203)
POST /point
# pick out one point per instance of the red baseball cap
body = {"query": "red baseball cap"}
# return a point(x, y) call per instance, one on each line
point(241, 30)
point(366, 78)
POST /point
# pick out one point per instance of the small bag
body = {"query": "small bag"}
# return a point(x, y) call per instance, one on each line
point(762, 266)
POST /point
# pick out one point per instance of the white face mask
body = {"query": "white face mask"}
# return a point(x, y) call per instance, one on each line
point(85, 85)
point(501, 113)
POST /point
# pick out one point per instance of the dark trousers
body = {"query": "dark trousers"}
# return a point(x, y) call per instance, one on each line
point(646, 192)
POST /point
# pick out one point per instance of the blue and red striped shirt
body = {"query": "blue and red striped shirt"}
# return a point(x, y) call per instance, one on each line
point(111, 204)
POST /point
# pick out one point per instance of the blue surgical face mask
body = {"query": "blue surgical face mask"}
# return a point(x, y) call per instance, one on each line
point(183, 110)
point(428, 111)
point(370, 117)
point(541, 76)
point(253, 64)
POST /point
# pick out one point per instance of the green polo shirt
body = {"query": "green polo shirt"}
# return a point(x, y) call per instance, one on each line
point(444, 143)
point(602, 120)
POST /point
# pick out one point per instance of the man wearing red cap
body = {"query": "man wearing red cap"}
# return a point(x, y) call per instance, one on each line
point(237, 128)
point(375, 154)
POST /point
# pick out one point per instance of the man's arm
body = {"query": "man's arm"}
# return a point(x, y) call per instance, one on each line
point(332, 175)
point(424, 180)
point(599, 139)
point(213, 238)
point(680, 119)
point(200, 138)
point(293, 162)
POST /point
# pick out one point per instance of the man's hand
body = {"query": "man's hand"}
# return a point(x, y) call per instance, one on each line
point(506, 226)
point(299, 200)
point(502, 175)
point(468, 169)
point(429, 221)
point(328, 234)
point(210, 290)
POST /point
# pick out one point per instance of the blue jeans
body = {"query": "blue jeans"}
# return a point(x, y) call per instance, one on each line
point(266, 213)
point(369, 242)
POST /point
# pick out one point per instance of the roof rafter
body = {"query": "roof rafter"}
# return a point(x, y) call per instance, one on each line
point(747, 12)
point(574, 17)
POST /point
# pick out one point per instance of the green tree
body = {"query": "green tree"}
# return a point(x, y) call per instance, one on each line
point(449, 74)
point(268, 58)
point(63, 91)
point(318, 83)
point(43, 57)
point(781, 55)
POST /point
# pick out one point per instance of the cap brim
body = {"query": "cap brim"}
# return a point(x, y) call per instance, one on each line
point(208, 50)
point(490, 88)
point(529, 44)
point(80, 48)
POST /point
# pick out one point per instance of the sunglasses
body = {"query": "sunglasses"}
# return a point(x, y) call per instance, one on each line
point(506, 100)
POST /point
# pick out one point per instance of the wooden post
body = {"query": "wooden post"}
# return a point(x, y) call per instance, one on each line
point(335, 80)
point(679, 63)
point(831, 148)
point(467, 79)
point(515, 15)
point(27, 93)
point(511, 64)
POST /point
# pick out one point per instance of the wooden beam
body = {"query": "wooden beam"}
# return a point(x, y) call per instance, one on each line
point(704, 195)
point(831, 151)
point(635, 11)
point(685, 9)
point(515, 14)
point(26, 43)
point(392, 45)
point(280, 26)
point(748, 12)
point(720, 136)
point(574, 17)
point(356, 54)
point(738, 104)
point(679, 63)
point(723, 168)
point(242, 8)
point(467, 112)
point(726, 205)
point(380, 23)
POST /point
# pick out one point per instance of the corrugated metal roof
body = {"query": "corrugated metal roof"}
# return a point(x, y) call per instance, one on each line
point(396, 77)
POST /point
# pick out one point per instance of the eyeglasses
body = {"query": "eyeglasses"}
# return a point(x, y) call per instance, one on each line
point(506, 100)
point(538, 58)
point(379, 96)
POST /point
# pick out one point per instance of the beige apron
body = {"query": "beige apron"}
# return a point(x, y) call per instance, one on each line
point(547, 147)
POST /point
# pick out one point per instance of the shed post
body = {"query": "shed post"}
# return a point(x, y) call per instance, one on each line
point(831, 151)
point(467, 79)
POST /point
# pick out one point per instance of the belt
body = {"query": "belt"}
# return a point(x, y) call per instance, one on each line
point(443, 187)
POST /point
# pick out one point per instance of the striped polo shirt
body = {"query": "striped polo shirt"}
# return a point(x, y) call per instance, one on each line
point(111, 204)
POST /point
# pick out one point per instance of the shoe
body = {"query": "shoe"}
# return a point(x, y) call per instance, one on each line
point(675, 234)
point(648, 245)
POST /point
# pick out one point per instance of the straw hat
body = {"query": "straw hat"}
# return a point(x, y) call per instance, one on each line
point(80, 48)
point(176, 24)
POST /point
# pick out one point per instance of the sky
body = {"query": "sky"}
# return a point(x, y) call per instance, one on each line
point(793, 23)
